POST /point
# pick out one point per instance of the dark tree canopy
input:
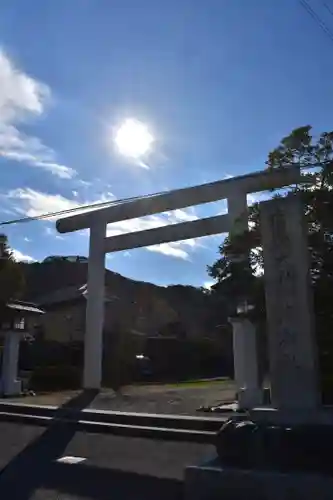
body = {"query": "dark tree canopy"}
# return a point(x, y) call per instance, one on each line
point(234, 280)
point(315, 158)
point(11, 275)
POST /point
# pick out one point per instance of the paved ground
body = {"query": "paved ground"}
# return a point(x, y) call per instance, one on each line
point(115, 467)
point(182, 400)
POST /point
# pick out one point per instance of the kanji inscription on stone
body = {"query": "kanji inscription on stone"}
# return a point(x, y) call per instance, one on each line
point(292, 349)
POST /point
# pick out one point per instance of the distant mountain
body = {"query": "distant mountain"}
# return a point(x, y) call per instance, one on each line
point(187, 307)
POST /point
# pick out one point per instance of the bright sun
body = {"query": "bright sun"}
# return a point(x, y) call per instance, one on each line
point(133, 138)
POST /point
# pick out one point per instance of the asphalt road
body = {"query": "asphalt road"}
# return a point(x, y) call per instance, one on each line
point(113, 468)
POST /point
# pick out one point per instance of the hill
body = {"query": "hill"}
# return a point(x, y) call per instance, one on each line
point(187, 307)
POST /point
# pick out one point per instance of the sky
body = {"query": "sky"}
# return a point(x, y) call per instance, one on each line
point(217, 84)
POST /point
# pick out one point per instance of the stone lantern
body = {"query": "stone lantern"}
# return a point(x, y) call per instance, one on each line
point(14, 319)
point(246, 366)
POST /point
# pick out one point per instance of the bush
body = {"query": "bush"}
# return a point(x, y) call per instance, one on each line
point(119, 360)
point(55, 378)
point(45, 353)
point(177, 359)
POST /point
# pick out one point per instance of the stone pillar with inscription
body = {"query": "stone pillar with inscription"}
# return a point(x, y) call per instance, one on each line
point(292, 346)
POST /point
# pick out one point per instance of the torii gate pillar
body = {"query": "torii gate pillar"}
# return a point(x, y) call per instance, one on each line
point(93, 342)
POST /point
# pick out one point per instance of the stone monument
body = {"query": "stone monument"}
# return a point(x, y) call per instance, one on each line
point(289, 307)
point(282, 451)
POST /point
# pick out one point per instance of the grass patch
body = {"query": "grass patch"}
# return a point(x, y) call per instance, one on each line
point(196, 383)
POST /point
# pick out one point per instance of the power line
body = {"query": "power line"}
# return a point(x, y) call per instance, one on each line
point(328, 8)
point(307, 7)
point(103, 204)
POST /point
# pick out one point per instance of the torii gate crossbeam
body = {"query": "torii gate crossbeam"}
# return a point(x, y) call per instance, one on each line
point(234, 190)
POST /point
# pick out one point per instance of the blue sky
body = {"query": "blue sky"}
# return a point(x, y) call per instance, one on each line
point(218, 83)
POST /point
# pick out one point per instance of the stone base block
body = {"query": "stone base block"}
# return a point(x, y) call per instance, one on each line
point(275, 416)
point(11, 388)
point(211, 481)
point(250, 398)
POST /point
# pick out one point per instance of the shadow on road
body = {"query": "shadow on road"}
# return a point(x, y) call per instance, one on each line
point(36, 468)
point(98, 483)
point(24, 473)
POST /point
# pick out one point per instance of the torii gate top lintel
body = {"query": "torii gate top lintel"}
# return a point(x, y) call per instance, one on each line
point(181, 198)
point(234, 189)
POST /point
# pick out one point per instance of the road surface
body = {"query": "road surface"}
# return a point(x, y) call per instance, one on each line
point(114, 467)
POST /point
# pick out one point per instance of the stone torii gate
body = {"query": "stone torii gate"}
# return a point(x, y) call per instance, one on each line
point(235, 190)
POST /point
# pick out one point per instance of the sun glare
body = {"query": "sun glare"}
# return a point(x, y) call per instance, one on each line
point(133, 139)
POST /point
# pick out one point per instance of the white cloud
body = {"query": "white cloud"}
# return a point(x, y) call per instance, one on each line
point(178, 249)
point(258, 197)
point(51, 231)
point(83, 183)
point(181, 215)
point(23, 97)
point(21, 257)
point(208, 284)
point(171, 250)
point(31, 203)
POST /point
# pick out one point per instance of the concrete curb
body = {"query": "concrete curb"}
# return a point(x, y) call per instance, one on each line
point(194, 423)
point(153, 432)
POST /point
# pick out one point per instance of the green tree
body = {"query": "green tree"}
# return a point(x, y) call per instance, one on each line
point(120, 349)
point(236, 271)
point(314, 156)
point(11, 275)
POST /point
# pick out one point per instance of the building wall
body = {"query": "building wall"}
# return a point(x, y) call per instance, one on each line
point(64, 323)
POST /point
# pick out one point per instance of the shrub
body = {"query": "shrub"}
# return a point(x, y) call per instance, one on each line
point(50, 353)
point(119, 360)
point(55, 378)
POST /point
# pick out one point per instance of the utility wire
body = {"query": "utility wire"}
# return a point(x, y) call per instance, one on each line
point(78, 208)
point(307, 7)
point(103, 204)
point(328, 8)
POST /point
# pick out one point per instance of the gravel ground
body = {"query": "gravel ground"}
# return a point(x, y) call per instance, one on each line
point(114, 467)
point(182, 400)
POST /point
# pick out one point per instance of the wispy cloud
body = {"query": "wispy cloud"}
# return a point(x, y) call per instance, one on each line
point(22, 98)
point(51, 231)
point(171, 250)
point(178, 249)
point(258, 197)
point(208, 284)
point(31, 203)
point(21, 257)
